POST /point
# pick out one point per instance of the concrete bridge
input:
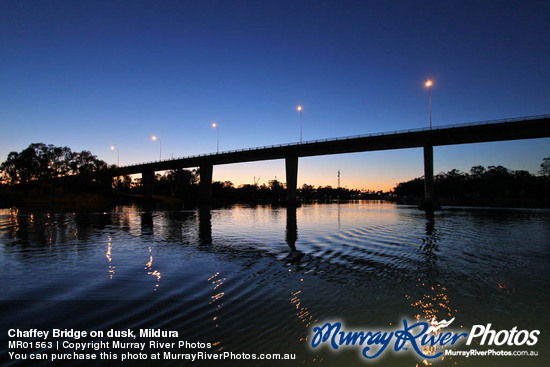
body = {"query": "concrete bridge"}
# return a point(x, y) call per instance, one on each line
point(486, 131)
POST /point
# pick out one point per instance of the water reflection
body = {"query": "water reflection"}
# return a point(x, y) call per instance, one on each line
point(302, 312)
point(78, 232)
point(430, 243)
point(431, 302)
point(291, 228)
point(216, 300)
point(205, 225)
point(111, 270)
point(147, 224)
point(150, 271)
point(178, 225)
point(292, 235)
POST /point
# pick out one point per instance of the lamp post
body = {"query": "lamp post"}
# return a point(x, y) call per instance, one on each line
point(300, 110)
point(218, 131)
point(117, 154)
point(160, 151)
point(429, 84)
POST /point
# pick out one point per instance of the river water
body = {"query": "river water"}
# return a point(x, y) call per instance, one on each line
point(257, 279)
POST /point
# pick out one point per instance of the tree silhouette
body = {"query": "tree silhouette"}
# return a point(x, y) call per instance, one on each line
point(43, 162)
point(545, 167)
point(477, 171)
point(494, 185)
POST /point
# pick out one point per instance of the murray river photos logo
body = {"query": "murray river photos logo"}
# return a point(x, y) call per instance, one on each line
point(422, 337)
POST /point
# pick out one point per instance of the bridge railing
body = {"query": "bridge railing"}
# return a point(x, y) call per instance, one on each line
point(349, 137)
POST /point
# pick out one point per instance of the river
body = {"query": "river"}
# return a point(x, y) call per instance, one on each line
point(257, 279)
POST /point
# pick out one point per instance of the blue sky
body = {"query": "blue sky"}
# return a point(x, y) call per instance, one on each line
point(93, 74)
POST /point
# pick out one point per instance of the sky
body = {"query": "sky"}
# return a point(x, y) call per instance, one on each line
point(94, 74)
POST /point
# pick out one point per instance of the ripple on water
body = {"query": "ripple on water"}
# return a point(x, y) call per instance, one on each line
point(234, 269)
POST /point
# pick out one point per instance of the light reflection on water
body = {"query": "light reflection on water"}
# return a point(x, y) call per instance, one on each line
point(255, 279)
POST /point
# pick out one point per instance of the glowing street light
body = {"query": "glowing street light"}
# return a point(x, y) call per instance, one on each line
point(429, 84)
point(117, 154)
point(218, 131)
point(160, 151)
point(300, 110)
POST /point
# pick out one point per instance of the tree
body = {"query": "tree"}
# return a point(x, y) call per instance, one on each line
point(85, 163)
point(42, 162)
point(545, 167)
point(123, 183)
point(178, 182)
point(183, 177)
point(478, 171)
point(498, 171)
point(276, 189)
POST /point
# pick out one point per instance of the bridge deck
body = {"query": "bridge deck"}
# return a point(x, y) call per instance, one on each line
point(486, 131)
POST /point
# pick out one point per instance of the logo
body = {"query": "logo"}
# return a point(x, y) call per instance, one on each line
point(422, 338)
point(418, 335)
point(502, 337)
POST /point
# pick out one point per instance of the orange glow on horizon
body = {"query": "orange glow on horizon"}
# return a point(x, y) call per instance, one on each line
point(385, 185)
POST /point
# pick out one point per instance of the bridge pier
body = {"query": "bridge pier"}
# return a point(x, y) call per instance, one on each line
point(206, 183)
point(148, 182)
point(291, 165)
point(430, 202)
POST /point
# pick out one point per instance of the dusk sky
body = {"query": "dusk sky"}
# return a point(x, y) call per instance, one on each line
point(91, 74)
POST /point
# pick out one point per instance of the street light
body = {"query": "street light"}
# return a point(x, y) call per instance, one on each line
point(300, 110)
point(160, 151)
point(218, 131)
point(117, 154)
point(429, 84)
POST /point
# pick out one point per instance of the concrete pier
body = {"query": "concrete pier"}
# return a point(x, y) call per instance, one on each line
point(291, 165)
point(430, 202)
point(206, 183)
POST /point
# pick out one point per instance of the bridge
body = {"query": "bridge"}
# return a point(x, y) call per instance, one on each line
point(530, 127)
